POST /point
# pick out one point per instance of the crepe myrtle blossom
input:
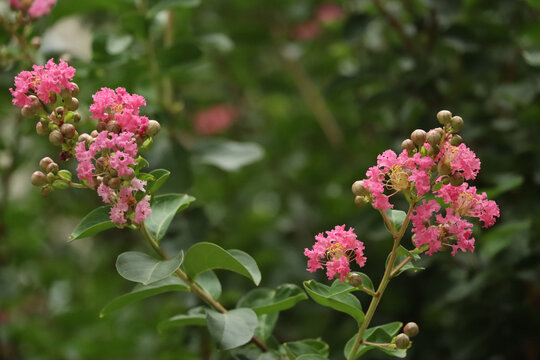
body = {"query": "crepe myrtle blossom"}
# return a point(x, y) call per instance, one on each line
point(119, 107)
point(215, 119)
point(43, 82)
point(335, 251)
point(36, 8)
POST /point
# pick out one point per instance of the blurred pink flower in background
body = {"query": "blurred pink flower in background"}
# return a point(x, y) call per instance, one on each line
point(329, 12)
point(36, 8)
point(306, 30)
point(215, 119)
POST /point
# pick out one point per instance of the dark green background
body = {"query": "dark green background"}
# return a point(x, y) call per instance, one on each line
point(381, 72)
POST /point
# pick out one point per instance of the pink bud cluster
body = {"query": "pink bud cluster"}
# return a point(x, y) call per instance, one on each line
point(120, 106)
point(335, 251)
point(43, 82)
point(35, 8)
point(108, 160)
point(215, 119)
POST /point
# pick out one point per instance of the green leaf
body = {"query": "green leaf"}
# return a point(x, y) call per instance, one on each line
point(228, 155)
point(266, 325)
point(95, 222)
point(264, 301)
point(313, 347)
point(233, 328)
point(160, 176)
point(164, 207)
point(336, 298)
point(311, 357)
point(171, 4)
point(142, 268)
point(205, 256)
point(402, 254)
point(217, 42)
point(210, 283)
point(195, 316)
point(378, 334)
point(503, 236)
point(396, 218)
point(139, 292)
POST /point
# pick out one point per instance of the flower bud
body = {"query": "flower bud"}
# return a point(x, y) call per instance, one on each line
point(52, 168)
point(35, 42)
point(94, 134)
point(434, 150)
point(43, 163)
point(75, 90)
point(355, 280)
point(456, 179)
point(114, 126)
point(443, 168)
point(411, 329)
point(418, 136)
point(139, 140)
point(56, 138)
point(456, 123)
point(60, 184)
point(153, 128)
point(100, 164)
point(115, 183)
point(402, 341)
point(85, 137)
point(65, 175)
point(52, 97)
point(51, 177)
point(46, 190)
point(41, 129)
point(27, 111)
point(59, 110)
point(408, 145)
point(445, 180)
point(38, 178)
point(359, 189)
point(76, 117)
point(360, 200)
point(106, 180)
point(101, 126)
point(68, 130)
point(65, 93)
point(456, 140)
point(433, 137)
point(73, 104)
point(444, 116)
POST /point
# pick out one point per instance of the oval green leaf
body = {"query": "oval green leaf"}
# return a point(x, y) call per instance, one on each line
point(139, 292)
point(313, 347)
point(264, 301)
point(209, 282)
point(160, 176)
point(402, 254)
point(205, 256)
point(378, 334)
point(95, 222)
point(228, 155)
point(396, 218)
point(142, 268)
point(335, 298)
point(195, 316)
point(233, 328)
point(164, 207)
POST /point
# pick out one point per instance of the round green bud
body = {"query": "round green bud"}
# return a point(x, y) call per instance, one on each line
point(85, 137)
point(46, 190)
point(445, 180)
point(402, 341)
point(75, 90)
point(444, 116)
point(114, 126)
point(115, 183)
point(38, 178)
point(65, 175)
point(52, 168)
point(456, 140)
point(360, 200)
point(106, 180)
point(76, 117)
point(68, 130)
point(94, 134)
point(408, 145)
point(434, 150)
point(411, 329)
point(456, 123)
point(456, 179)
point(433, 137)
point(51, 177)
point(101, 126)
point(73, 104)
point(355, 280)
point(418, 136)
point(423, 151)
point(56, 138)
point(153, 128)
point(27, 111)
point(443, 168)
point(43, 163)
point(60, 184)
point(41, 129)
point(359, 189)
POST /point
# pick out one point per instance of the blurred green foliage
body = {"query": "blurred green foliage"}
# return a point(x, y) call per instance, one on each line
point(312, 117)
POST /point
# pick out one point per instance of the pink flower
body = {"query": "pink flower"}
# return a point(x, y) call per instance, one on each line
point(143, 210)
point(329, 12)
point(15, 4)
point(40, 8)
point(215, 119)
point(336, 250)
point(307, 30)
point(461, 159)
point(121, 106)
point(105, 192)
point(42, 82)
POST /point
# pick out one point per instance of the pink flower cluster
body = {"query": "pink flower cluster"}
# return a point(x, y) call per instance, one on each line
point(110, 156)
point(335, 251)
point(42, 81)
point(325, 13)
point(215, 119)
point(37, 8)
point(121, 106)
